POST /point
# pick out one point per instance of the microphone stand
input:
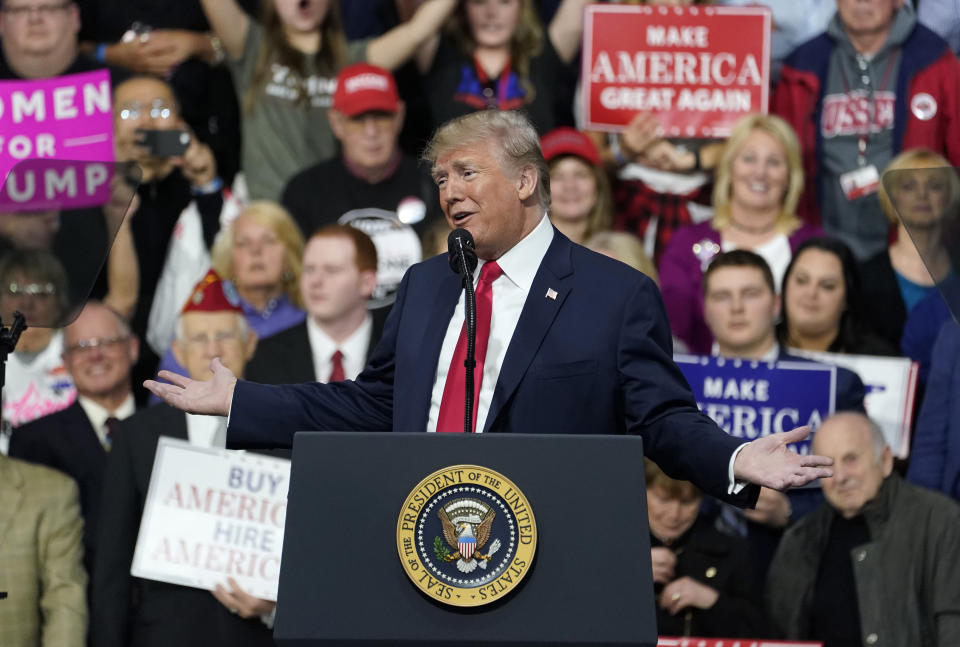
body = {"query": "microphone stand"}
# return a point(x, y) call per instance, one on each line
point(8, 341)
point(470, 321)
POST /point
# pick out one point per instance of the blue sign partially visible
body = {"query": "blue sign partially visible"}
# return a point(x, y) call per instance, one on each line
point(749, 399)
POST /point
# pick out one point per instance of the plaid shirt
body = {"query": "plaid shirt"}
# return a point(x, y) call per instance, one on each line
point(636, 206)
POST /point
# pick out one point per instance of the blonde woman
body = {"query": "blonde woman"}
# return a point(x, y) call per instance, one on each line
point(758, 185)
point(260, 256)
point(918, 187)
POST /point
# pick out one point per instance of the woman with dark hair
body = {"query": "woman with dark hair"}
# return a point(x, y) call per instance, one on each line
point(823, 304)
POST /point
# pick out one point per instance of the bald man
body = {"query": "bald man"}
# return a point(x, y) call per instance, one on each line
point(878, 563)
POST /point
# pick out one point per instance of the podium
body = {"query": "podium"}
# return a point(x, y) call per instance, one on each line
point(342, 580)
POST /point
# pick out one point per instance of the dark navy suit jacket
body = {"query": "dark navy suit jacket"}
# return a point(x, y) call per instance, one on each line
point(595, 359)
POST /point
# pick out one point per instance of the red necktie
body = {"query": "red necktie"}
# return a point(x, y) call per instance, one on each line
point(452, 404)
point(337, 375)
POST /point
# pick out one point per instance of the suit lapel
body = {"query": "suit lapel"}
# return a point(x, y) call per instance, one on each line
point(444, 303)
point(11, 494)
point(550, 288)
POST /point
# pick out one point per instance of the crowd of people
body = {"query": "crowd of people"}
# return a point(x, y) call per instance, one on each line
point(786, 237)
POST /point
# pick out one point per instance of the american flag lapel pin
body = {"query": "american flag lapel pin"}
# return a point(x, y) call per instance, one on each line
point(551, 294)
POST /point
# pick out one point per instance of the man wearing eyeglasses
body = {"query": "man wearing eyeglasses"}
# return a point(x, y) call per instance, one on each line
point(211, 324)
point(38, 39)
point(98, 352)
point(174, 189)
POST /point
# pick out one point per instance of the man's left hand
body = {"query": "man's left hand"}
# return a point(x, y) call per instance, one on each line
point(769, 462)
point(240, 602)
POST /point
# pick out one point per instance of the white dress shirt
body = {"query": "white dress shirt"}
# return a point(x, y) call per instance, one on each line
point(519, 265)
point(207, 431)
point(97, 414)
point(354, 349)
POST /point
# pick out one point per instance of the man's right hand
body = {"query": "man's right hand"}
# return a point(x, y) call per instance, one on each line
point(210, 397)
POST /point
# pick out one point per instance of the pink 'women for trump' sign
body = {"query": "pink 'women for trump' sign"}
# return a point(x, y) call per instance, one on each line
point(699, 68)
point(48, 122)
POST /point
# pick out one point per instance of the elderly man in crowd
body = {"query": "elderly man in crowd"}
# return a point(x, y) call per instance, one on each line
point(334, 342)
point(129, 612)
point(875, 83)
point(579, 342)
point(878, 563)
point(98, 352)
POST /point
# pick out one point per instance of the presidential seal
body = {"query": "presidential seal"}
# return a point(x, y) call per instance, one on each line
point(466, 536)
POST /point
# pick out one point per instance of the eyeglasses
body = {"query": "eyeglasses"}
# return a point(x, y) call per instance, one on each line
point(32, 289)
point(218, 338)
point(87, 345)
point(158, 109)
point(45, 10)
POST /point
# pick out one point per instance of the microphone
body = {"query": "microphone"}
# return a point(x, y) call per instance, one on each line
point(463, 260)
point(460, 251)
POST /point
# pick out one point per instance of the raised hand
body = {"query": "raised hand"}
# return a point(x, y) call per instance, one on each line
point(769, 462)
point(211, 397)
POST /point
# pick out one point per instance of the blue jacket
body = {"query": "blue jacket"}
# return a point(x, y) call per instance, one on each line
point(935, 462)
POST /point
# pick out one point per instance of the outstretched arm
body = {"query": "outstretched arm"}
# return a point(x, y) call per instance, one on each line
point(394, 48)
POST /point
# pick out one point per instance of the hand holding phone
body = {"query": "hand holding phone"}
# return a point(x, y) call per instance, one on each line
point(164, 143)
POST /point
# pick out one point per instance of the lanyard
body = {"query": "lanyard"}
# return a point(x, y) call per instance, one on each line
point(499, 101)
point(888, 70)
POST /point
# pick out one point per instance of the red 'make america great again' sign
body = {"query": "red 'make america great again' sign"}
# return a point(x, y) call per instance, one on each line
point(699, 68)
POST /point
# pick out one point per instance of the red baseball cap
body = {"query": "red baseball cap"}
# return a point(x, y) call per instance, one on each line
point(569, 141)
point(362, 87)
point(212, 294)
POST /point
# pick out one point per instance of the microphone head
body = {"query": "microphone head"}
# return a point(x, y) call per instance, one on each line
point(461, 240)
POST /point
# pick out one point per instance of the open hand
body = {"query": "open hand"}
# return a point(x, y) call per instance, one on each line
point(769, 462)
point(211, 397)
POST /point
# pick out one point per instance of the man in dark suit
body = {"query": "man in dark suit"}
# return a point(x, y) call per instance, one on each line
point(576, 342)
point(99, 351)
point(334, 342)
point(132, 612)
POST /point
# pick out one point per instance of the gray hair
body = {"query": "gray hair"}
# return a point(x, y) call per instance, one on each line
point(242, 323)
point(516, 142)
